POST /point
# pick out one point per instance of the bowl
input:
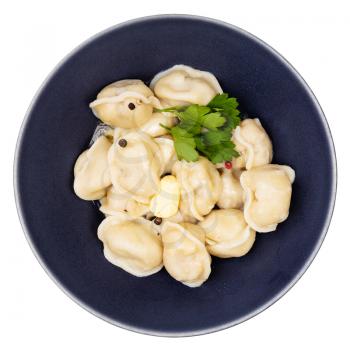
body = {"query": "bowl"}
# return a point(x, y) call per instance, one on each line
point(61, 228)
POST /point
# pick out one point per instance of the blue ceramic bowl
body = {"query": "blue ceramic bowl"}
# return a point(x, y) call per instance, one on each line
point(61, 228)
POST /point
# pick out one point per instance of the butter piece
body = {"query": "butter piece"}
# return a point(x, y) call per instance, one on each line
point(166, 202)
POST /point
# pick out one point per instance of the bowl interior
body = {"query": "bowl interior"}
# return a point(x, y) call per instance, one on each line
point(62, 228)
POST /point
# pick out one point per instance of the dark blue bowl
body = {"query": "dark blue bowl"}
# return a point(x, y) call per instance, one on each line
point(61, 228)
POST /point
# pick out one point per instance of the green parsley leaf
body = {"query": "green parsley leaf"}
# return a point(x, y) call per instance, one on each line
point(185, 151)
point(184, 143)
point(232, 121)
point(206, 130)
point(190, 126)
point(213, 120)
point(211, 138)
point(178, 132)
point(222, 152)
point(193, 113)
point(228, 108)
point(223, 102)
point(201, 146)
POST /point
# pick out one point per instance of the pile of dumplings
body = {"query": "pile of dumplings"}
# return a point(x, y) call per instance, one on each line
point(161, 211)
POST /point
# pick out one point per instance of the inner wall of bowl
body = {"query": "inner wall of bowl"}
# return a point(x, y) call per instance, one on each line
point(62, 228)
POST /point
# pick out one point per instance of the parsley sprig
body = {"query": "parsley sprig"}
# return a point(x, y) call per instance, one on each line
point(206, 130)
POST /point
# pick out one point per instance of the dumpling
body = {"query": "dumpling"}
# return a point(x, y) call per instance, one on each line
point(227, 233)
point(167, 152)
point(200, 186)
point(91, 173)
point(253, 143)
point(231, 195)
point(117, 201)
point(183, 85)
point(136, 165)
point(185, 256)
point(125, 104)
point(131, 244)
point(268, 191)
point(153, 126)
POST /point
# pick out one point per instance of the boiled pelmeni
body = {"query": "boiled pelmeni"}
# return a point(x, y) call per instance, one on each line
point(253, 143)
point(131, 244)
point(167, 152)
point(136, 166)
point(227, 233)
point(117, 200)
point(153, 126)
point(183, 85)
point(185, 256)
point(268, 191)
point(91, 173)
point(200, 186)
point(231, 195)
point(125, 103)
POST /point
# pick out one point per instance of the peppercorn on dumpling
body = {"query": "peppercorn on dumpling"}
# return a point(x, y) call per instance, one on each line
point(136, 164)
point(126, 103)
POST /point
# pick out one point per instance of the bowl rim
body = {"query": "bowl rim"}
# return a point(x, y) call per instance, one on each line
point(259, 309)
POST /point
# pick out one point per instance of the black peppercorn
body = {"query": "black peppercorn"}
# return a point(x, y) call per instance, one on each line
point(131, 106)
point(122, 143)
point(157, 220)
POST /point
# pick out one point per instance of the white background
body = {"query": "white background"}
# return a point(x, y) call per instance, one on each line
point(312, 35)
